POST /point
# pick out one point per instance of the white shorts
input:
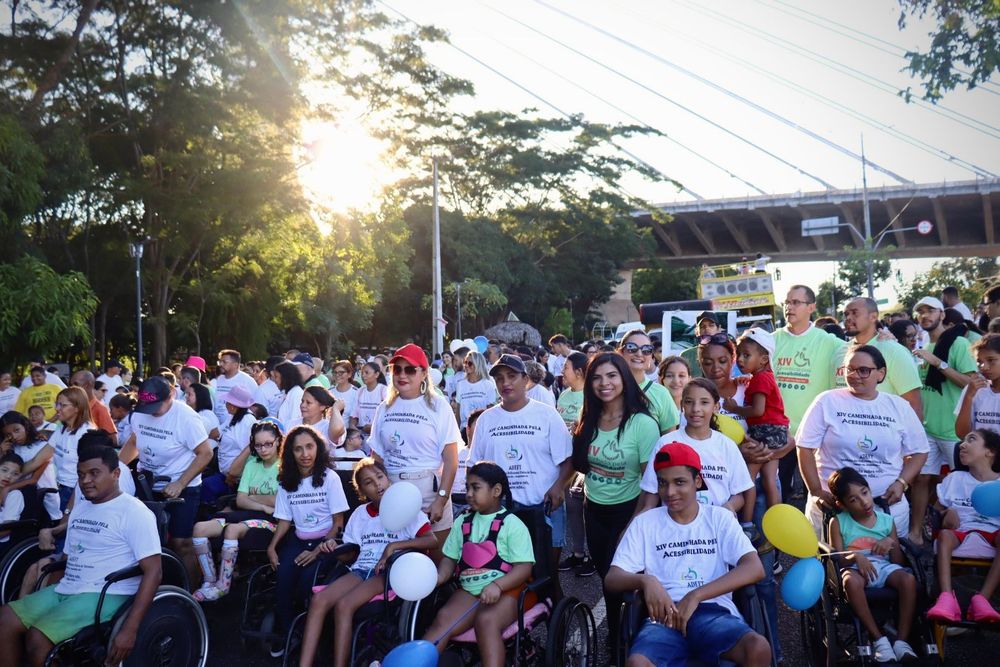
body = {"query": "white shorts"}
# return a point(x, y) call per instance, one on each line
point(900, 516)
point(428, 484)
point(942, 453)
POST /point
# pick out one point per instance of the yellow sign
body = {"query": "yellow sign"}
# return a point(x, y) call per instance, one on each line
point(743, 301)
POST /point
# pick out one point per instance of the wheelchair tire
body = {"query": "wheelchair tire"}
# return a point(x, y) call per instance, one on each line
point(14, 566)
point(174, 632)
point(572, 635)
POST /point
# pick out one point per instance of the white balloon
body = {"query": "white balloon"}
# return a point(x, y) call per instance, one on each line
point(471, 344)
point(399, 505)
point(435, 376)
point(413, 576)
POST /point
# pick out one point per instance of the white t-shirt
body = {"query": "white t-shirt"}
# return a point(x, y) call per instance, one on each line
point(366, 530)
point(291, 406)
point(211, 423)
point(8, 397)
point(451, 382)
point(48, 478)
point(528, 444)
point(410, 435)
point(556, 363)
point(124, 427)
point(985, 408)
point(349, 398)
point(166, 444)
point(465, 461)
point(11, 510)
point(345, 460)
point(872, 437)
point(111, 383)
point(722, 466)
point(224, 385)
point(366, 402)
point(472, 396)
point(50, 378)
point(955, 492)
point(233, 439)
point(684, 556)
point(65, 444)
point(269, 395)
point(542, 394)
point(311, 508)
point(106, 537)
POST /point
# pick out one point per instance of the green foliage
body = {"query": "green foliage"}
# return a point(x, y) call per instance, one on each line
point(853, 272)
point(559, 320)
point(971, 275)
point(662, 282)
point(41, 310)
point(21, 172)
point(967, 36)
point(831, 298)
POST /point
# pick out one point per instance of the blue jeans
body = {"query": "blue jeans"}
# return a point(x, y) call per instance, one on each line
point(711, 631)
point(766, 587)
point(294, 582)
point(556, 520)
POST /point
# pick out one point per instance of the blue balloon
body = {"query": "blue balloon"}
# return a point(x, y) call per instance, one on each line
point(803, 584)
point(482, 342)
point(986, 498)
point(418, 653)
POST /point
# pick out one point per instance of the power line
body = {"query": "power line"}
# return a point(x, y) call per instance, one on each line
point(629, 115)
point(951, 114)
point(557, 109)
point(635, 82)
point(874, 122)
point(714, 86)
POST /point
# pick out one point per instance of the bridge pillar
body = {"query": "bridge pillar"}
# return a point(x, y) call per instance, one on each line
point(619, 308)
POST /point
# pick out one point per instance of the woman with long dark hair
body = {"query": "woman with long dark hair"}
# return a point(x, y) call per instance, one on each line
point(611, 445)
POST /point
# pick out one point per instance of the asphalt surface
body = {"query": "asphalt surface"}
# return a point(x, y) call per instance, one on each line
point(227, 649)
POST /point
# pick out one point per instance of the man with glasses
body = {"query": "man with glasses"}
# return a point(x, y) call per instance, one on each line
point(990, 306)
point(231, 376)
point(901, 378)
point(805, 365)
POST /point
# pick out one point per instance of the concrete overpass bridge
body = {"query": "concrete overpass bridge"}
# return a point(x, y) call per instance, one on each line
point(718, 231)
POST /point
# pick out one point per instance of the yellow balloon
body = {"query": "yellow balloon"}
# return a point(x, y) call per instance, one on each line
point(788, 529)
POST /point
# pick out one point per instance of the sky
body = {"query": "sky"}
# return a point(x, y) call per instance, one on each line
point(832, 68)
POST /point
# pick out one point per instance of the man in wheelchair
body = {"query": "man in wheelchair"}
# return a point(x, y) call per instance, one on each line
point(679, 556)
point(108, 530)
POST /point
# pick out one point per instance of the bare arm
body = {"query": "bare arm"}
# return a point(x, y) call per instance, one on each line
point(916, 402)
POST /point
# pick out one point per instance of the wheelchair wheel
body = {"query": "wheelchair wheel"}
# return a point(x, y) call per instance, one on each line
point(173, 632)
point(571, 639)
point(14, 566)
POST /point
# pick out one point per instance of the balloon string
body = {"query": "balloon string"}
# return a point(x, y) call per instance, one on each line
point(837, 553)
point(460, 619)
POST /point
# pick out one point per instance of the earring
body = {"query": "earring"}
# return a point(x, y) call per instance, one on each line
point(423, 386)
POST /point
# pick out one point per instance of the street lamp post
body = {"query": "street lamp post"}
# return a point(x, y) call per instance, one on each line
point(869, 251)
point(458, 299)
point(135, 250)
point(438, 328)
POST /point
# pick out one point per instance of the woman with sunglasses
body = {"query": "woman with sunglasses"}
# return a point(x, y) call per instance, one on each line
point(876, 433)
point(415, 435)
point(476, 391)
point(637, 349)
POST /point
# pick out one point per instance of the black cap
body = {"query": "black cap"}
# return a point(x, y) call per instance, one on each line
point(706, 315)
point(152, 393)
point(511, 361)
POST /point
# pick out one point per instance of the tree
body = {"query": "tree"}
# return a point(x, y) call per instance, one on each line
point(831, 296)
point(853, 270)
point(969, 274)
point(662, 282)
point(964, 49)
point(40, 310)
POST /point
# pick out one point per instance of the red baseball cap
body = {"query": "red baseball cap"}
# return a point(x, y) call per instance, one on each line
point(411, 353)
point(676, 454)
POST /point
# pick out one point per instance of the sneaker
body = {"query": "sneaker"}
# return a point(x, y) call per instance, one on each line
point(945, 609)
point(277, 647)
point(777, 569)
point(904, 652)
point(981, 611)
point(883, 650)
point(571, 563)
point(586, 568)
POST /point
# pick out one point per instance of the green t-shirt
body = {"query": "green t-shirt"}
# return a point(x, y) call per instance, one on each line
point(614, 462)
point(258, 479)
point(939, 408)
point(901, 373)
point(690, 355)
point(661, 406)
point(570, 406)
point(804, 367)
point(973, 337)
point(513, 546)
point(319, 381)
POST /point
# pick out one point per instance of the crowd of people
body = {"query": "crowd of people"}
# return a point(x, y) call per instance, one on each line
point(653, 471)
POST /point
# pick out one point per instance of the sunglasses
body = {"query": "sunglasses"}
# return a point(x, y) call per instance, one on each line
point(632, 348)
point(716, 339)
point(404, 370)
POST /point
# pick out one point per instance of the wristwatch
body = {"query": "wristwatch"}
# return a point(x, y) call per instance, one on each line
point(906, 486)
point(442, 493)
point(943, 366)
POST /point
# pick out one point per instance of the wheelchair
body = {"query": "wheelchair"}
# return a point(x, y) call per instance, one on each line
point(831, 632)
point(23, 548)
point(570, 632)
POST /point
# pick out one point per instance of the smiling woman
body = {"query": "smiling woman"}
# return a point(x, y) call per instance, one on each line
point(343, 167)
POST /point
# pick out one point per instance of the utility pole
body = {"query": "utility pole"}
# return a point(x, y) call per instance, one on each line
point(135, 249)
point(869, 259)
point(458, 298)
point(438, 328)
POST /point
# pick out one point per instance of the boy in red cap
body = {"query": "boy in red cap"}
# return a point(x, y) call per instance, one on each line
point(679, 556)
